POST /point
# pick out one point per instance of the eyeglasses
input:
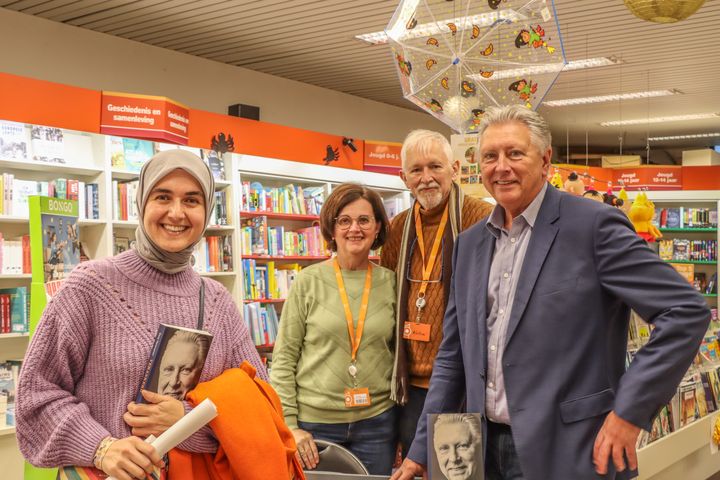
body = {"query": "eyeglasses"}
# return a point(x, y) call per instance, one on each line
point(344, 222)
point(409, 261)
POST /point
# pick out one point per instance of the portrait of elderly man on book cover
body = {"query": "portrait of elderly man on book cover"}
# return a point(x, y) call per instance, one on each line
point(456, 447)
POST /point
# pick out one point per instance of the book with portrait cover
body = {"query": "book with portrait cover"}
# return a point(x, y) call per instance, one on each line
point(176, 361)
point(455, 446)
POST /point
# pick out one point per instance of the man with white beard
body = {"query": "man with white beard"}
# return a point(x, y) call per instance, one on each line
point(419, 249)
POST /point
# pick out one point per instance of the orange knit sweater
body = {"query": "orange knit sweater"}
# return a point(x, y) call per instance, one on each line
point(422, 354)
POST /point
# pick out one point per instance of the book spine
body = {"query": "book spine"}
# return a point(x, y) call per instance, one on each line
point(82, 205)
point(153, 363)
point(95, 201)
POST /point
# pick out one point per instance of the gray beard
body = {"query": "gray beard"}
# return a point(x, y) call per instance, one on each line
point(429, 203)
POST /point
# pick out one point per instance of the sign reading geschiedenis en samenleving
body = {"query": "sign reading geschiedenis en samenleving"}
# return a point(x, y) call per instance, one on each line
point(144, 116)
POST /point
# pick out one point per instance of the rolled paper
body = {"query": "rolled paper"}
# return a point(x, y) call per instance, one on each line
point(181, 430)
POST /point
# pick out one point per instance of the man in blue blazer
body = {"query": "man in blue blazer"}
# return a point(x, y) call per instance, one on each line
point(535, 330)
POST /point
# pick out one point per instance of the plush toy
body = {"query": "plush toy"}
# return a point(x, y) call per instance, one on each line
point(556, 181)
point(641, 214)
point(612, 200)
point(574, 185)
point(625, 206)
point(593, 195)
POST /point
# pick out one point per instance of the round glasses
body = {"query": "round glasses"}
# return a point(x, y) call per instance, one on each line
point(344, 222)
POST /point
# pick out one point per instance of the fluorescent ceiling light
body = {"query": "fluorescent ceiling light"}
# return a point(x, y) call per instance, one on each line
point(674, 118)
point(548, 68)
point(683, 137)
point(610, 98)
point(436, 28)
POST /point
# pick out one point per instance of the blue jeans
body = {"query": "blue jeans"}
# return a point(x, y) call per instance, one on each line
point(372, 440)
point(409, 416)
point(502, 461)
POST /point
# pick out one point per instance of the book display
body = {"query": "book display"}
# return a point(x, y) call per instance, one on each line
point(57, 163)
point(688, 223)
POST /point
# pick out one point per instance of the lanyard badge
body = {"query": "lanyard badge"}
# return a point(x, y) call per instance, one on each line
point(417, 330)
point(355, 397)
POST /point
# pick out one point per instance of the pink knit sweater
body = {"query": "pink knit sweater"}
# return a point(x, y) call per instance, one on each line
point(89, 353)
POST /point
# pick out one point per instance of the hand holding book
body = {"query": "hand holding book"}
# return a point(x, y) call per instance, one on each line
point(155, 416)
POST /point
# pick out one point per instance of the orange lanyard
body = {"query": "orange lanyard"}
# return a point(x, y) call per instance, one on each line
point(428, 267)
point(355, 334)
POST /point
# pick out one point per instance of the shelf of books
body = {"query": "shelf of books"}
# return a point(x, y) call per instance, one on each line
point(280, 203)
point(100, 173)
point(680, 444)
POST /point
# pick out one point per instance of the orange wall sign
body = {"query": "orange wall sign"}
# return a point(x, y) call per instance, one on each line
point(27, 100)
point(144, 116)
point(252, 137)
point(382, 157)
point(651, 178)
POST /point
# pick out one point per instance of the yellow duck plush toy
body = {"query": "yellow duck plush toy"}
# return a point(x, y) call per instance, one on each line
point(641, 214)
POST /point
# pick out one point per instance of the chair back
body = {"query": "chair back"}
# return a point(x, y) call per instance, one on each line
point(338, 459)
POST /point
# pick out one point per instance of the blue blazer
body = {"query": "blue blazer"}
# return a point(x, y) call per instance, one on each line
point(564, 360)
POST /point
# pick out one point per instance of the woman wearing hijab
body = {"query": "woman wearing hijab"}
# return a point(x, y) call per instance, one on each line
point(91, 348)
point(333, 356)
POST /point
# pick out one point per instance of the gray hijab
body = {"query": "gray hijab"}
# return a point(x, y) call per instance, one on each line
point(152, 172)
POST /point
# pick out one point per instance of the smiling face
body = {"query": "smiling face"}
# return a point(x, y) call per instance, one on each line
point(356, 240)
point(174, 216)
point(429, 175)
point(513, 168)
point(455, 450)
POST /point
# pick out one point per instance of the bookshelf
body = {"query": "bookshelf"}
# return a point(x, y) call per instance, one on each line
point(88, 159)
point(685, 453)
point(278, 174)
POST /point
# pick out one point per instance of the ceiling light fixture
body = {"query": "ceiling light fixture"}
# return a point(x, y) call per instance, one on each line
point(435, 28)
point(663, 11)
point(548, 68)
point(674, 118)
point(610, 98)
point(683, 137)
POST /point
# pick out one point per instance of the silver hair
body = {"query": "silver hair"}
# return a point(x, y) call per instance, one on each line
point(421, 142)
point(539, 128)
point(469, 419)
point(202, 342)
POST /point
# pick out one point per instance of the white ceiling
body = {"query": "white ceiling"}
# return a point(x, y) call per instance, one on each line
point(313, 41)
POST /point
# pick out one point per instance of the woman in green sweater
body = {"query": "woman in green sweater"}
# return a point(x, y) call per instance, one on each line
point(333, 356)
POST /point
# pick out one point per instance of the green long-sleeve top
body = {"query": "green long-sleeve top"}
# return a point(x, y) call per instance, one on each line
point(312, 350)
